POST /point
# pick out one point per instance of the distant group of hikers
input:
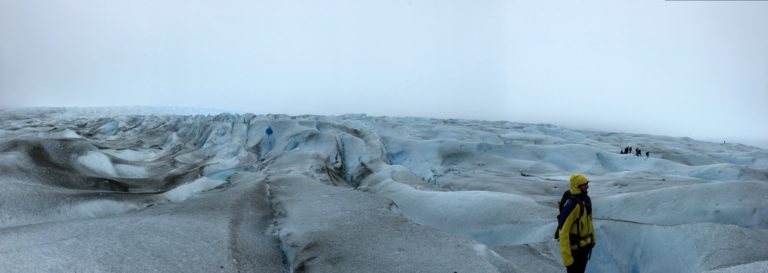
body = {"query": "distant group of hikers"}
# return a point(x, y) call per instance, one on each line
point(637, 151)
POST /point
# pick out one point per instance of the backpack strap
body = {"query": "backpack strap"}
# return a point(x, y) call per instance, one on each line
point(570, 204)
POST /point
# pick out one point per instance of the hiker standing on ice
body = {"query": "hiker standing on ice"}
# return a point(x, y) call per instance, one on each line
point(266, 144)
point(269, 137)
point(577, 235)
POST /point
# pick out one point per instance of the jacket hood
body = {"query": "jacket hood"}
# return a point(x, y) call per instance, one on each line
point(576, 181)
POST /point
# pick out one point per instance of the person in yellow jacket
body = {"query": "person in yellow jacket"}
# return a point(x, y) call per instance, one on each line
point(577, 235)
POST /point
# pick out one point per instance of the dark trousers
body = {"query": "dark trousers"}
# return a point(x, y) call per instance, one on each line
point(580, 258)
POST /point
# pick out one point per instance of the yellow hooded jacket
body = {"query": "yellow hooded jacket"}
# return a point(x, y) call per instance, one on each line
point(576, 234)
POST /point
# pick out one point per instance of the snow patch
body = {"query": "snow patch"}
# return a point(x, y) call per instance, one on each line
point(191, 189)
point(70, 134)
point(97, 163)
point(131, 171)
point(100, 208)
point(133, 155)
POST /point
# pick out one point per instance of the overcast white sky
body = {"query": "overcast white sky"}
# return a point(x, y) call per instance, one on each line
point(678, 68)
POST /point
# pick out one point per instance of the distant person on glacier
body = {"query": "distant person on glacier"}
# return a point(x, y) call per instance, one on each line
point(266, 144)
point(577, 235)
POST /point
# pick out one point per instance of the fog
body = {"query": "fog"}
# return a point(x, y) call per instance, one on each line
point(678, 68)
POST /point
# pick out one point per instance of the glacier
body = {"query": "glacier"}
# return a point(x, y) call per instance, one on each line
point(97, 190)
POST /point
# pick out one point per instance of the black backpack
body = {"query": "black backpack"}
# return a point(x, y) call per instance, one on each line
point(564, 213)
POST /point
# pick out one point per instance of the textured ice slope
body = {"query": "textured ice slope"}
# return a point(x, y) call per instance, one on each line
point(108, 190)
